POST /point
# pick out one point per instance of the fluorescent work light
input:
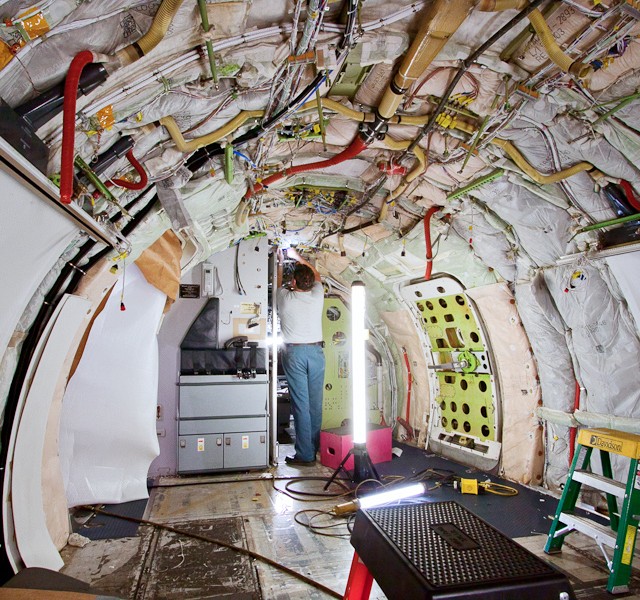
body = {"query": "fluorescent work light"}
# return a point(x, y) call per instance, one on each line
point(358, 375)
point(372, 500)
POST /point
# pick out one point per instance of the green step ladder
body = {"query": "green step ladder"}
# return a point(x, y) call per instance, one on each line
point(620, 537)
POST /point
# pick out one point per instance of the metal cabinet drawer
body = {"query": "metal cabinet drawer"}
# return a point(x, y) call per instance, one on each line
point(231, 425)
point(245, 450)
point(223, 400)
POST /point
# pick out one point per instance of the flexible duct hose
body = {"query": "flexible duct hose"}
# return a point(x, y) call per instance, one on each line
point(79, 62)
point(538, 177)
point(414, 174)
point(154, 36)
point(355, 148)
point(133, 185)
point(427, 240)
point(188, 146)
point(565, 62)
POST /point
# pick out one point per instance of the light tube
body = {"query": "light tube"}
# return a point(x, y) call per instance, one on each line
point(358, 375)
point(397, 493)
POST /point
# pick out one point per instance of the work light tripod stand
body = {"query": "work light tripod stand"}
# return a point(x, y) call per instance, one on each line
point(363, 468)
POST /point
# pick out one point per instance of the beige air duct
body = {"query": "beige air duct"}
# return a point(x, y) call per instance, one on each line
point(441, 21)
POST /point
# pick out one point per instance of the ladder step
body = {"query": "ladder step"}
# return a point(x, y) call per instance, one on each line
point(590, 528)
point(600, 482)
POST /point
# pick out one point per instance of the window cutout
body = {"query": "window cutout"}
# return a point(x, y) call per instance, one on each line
point(463, 384)
point(466, 426)
point(429, 305)
point(483, 386)
point(449, 379)
point(454, 407)
point(465, 408)
point(420, 306)
point(442, 302)
point(467, 317)
point(485, 431)
point(448, 318)
point(418, 293)
point(333, 313)
point(440, 289)
point(445, 422)
point(460, 300)
point(434, 319)
point(474, 337)
point(443, 405)
point(454, 423)
point(454, 335)
point(483, 412)
point(441, 343)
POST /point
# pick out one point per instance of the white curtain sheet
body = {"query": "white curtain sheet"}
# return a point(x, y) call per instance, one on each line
point(107, 428)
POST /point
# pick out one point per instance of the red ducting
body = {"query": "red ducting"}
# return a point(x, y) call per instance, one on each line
point(405, 422)
point(628, 192)
point(79, 62)
point(357, 146)
point(133, 185)
point(573, 431)
point(427, 240)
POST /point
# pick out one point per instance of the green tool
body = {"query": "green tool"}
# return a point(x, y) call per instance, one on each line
point(476, 184)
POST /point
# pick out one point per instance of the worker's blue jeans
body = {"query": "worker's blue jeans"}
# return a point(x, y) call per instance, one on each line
point(304, 367)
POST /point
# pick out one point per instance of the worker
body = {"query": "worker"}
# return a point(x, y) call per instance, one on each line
point(300, 310)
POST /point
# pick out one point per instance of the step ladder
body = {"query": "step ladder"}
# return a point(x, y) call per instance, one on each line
point(620, 537)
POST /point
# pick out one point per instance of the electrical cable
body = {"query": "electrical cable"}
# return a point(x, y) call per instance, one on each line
point(202, 538)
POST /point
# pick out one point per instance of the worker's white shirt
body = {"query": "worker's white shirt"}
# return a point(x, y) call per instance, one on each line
point(301, 314)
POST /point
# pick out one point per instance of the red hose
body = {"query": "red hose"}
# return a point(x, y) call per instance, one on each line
point(132, 185)
point(573, 431)
point(628, 191)
point(427, 240)
point(357, 146)
point(409, 382)
point(80, 61)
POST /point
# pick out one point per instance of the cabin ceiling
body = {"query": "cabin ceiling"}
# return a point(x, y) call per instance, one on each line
point(556, 91)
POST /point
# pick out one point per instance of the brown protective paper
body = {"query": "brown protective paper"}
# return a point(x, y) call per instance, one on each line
point(160, 265)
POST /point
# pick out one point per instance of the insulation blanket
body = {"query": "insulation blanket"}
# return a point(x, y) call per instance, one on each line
point(519, 389)
point(107, 428)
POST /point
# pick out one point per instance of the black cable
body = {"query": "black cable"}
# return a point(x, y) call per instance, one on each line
point(224, 544)
point(199, 158)
point(465, 66)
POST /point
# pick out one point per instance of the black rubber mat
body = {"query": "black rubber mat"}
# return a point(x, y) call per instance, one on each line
point(528, 513)
point(102, 527)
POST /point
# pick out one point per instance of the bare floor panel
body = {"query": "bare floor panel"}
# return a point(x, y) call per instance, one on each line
point(248, 511)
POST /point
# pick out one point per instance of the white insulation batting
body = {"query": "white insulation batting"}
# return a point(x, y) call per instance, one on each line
point(107, 428)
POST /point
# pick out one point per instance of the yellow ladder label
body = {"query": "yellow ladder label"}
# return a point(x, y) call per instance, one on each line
point(609, 440)
point(627, 550)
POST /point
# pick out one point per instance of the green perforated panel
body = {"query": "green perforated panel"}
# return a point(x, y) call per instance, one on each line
point(466, 401)
point(466, 404)
point(450, 324)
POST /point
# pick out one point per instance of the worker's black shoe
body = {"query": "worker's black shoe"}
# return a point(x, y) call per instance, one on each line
point(292, 460)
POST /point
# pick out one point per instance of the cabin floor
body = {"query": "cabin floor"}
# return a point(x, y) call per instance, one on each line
point(255, 511)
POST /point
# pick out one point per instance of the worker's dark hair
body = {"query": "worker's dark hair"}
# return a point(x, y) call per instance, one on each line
point(304, 276)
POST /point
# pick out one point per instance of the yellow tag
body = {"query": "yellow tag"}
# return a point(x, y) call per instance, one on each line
point(245, 442)
point(200, 444)
point(5, 55)
point(629, 540)
point(105, 117)
point(35, 26)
